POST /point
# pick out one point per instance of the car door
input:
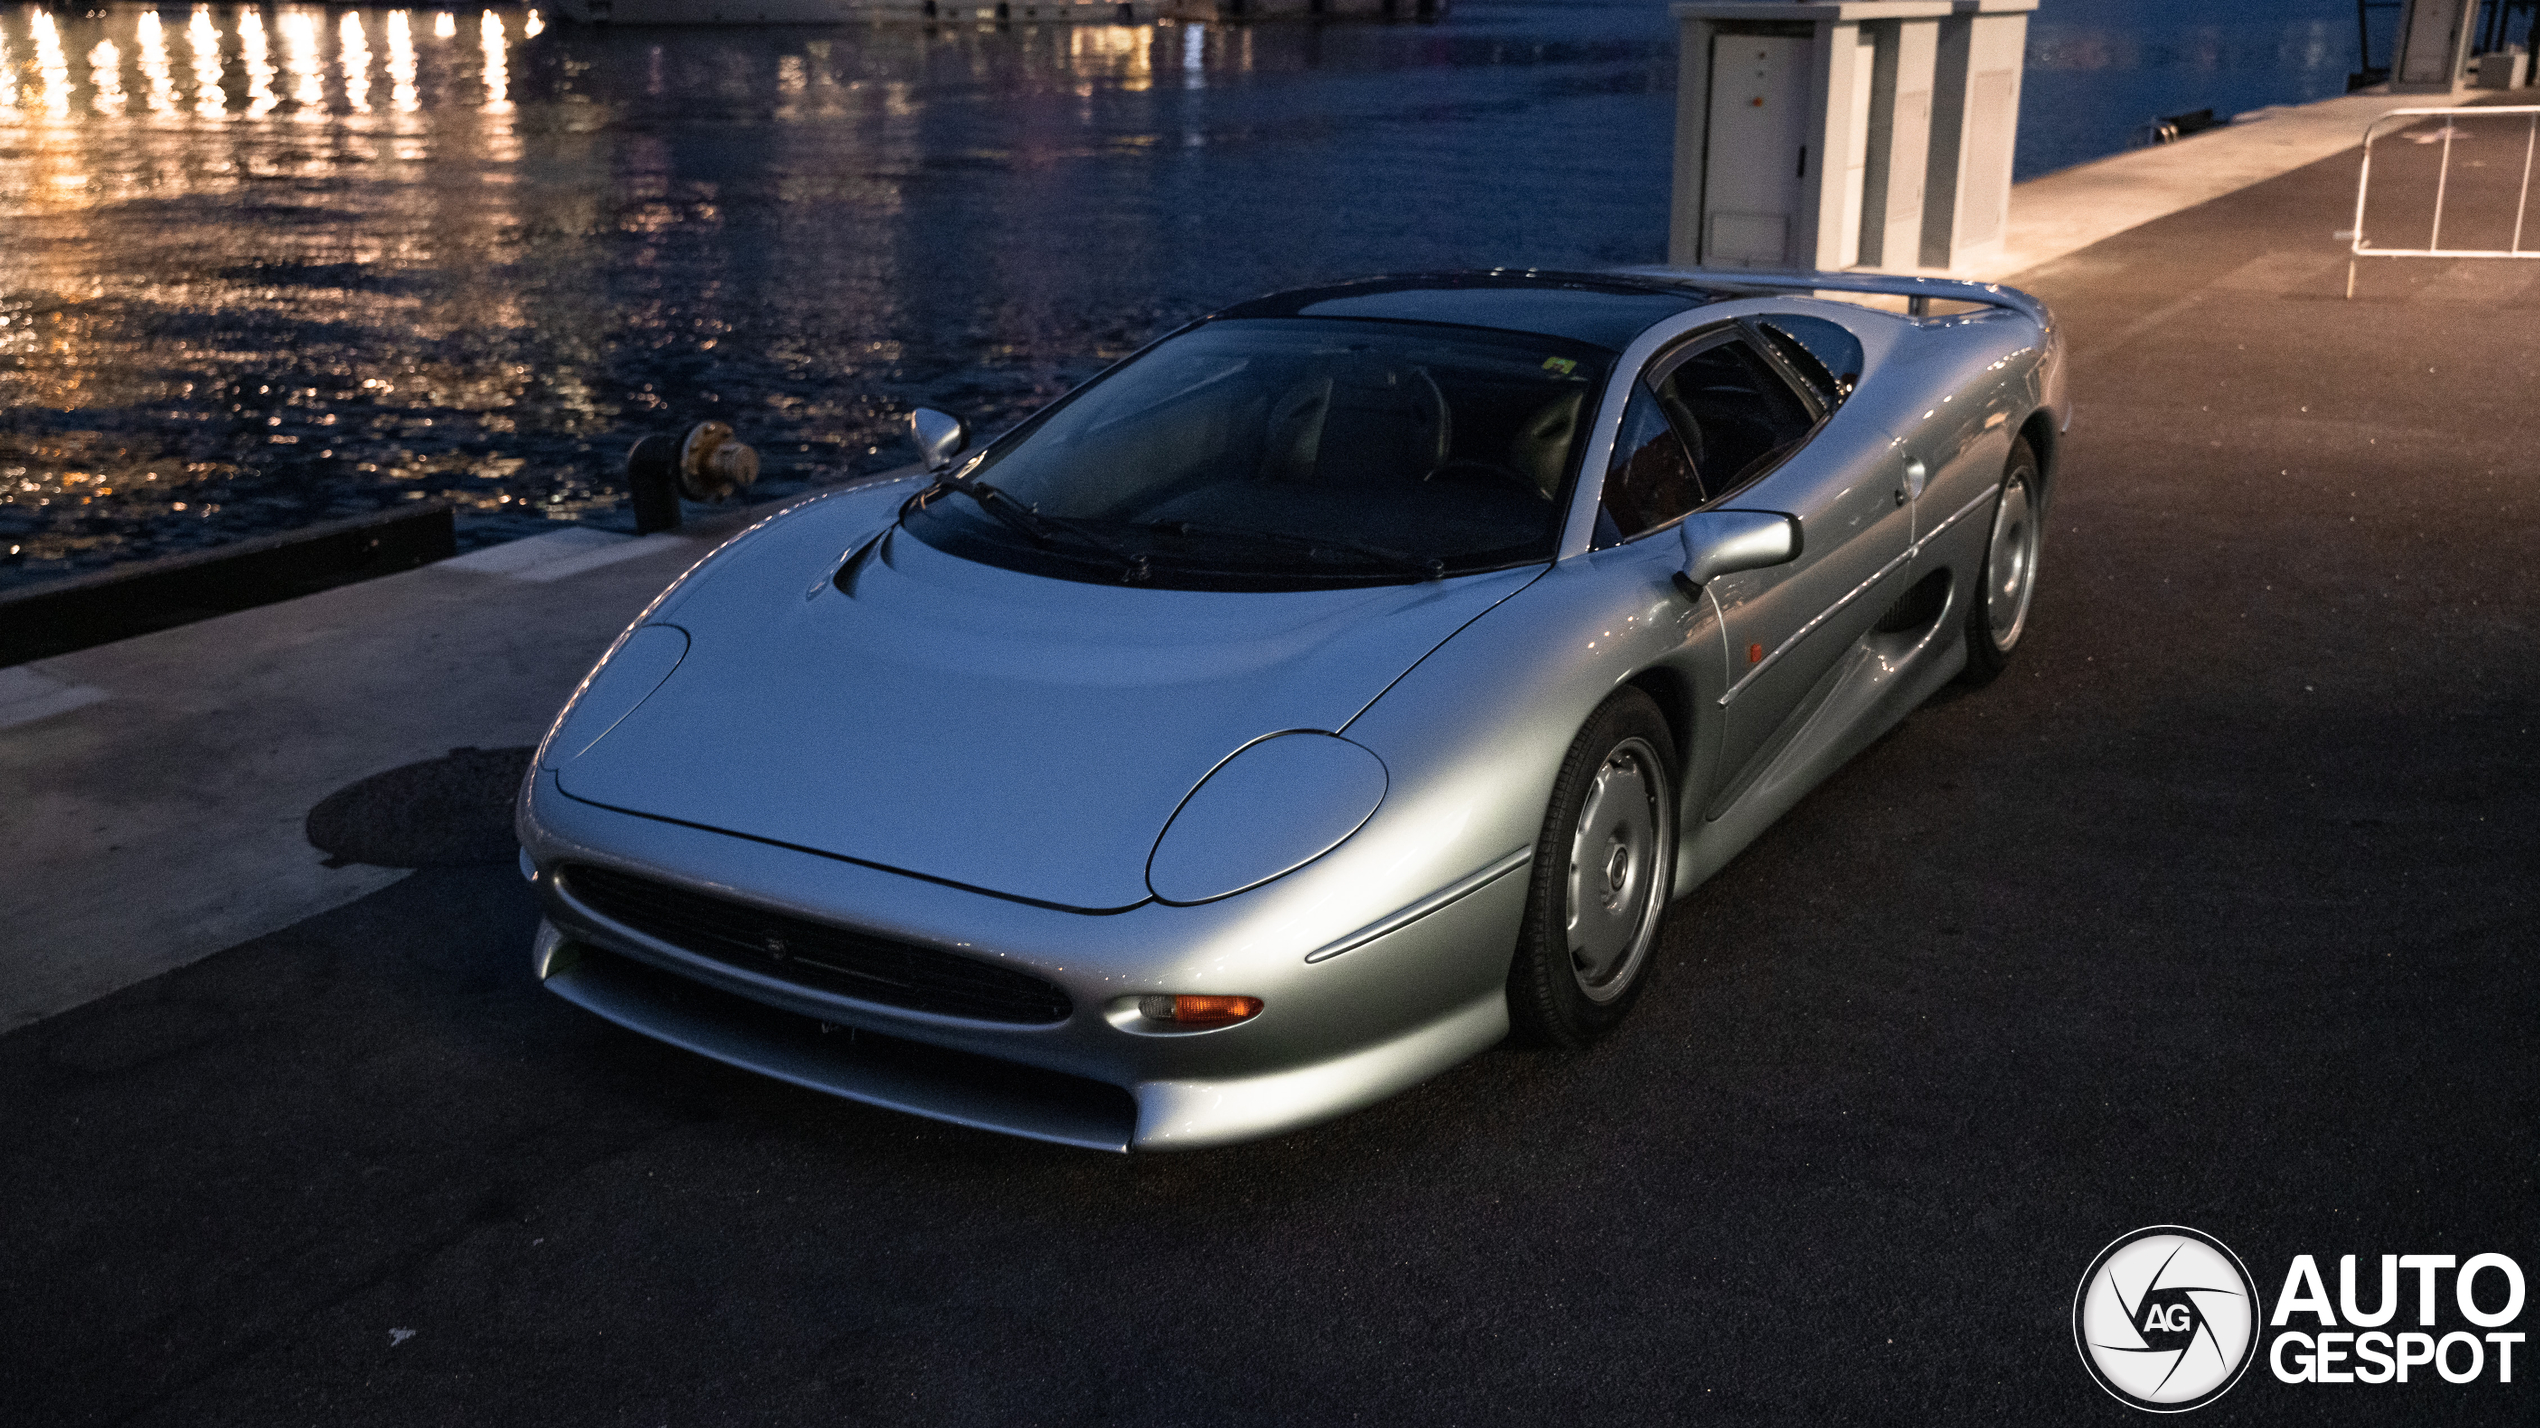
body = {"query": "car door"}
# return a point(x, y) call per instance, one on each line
point(1769, 407)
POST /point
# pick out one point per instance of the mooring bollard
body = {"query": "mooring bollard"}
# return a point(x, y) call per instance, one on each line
point(703, 463)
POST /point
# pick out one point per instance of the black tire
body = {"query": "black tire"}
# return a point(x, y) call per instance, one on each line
point(1571, 981)
point(2013, 539)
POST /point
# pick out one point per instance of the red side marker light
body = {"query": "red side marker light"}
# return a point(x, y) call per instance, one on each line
point(1754, 654)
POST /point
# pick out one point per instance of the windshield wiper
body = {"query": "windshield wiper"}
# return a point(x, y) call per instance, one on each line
point(1008, 511)
point(1043, 531)
point(1426, 566)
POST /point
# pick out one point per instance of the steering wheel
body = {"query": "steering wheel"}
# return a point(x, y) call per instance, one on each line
point(1495, 472)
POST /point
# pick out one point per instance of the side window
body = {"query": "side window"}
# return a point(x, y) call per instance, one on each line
point(1651, 480)
point(1737, 414)
point(1826, 356)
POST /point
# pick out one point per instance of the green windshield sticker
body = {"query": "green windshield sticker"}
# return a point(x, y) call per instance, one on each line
point(1560, 366)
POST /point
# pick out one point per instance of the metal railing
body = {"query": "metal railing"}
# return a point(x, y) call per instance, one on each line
point(2363, 246)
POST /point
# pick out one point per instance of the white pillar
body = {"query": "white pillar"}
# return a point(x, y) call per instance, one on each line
point(1975, 127)
point(1840, 71)
point(1898, 142)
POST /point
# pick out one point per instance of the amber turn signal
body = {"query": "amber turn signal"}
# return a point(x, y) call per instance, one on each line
point(1199, 1011)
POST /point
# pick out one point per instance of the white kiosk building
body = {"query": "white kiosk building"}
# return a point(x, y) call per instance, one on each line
point(1831, 134)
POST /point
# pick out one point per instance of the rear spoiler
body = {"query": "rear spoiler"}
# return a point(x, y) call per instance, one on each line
point(1919, 293)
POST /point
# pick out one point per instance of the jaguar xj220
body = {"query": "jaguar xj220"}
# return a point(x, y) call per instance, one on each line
point(1295, 708)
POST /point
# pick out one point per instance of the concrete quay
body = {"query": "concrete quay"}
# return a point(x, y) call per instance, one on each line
point(2067, 211)
point(159, 785)
point(2218, 909)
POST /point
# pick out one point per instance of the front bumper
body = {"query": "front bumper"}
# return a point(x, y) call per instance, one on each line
point(1333, 1036)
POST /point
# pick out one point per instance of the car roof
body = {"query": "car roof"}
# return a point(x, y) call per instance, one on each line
point(1601, 309)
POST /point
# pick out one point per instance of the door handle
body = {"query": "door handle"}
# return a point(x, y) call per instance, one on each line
point(1915, 476)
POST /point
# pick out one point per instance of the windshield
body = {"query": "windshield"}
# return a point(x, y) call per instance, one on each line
point(1287, 453)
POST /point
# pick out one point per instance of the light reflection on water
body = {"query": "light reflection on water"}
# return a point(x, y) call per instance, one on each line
point(323, 261)
point(49, 63)
point(154, 65)
point(203, 38)
point(401, 64)
point(354, 46)
point(251, 44)
point(105, 74)
point(377, 254)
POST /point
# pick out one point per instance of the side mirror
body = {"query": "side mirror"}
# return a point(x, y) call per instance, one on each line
point(1721, 543)
point(940, 437)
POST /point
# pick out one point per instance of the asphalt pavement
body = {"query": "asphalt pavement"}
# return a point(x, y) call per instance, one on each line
point(2216, 910)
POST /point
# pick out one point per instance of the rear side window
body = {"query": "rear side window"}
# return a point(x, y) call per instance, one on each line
point(1826, 356)
point(1736, 414)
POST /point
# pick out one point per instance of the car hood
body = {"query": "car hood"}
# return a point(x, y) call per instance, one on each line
point(1011, 733)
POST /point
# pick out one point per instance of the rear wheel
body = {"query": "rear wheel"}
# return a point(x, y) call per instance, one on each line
point(1999, 615)
point(1602, 873)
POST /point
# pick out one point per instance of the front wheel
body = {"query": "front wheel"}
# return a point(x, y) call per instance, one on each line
point(1602, 873)
point(1999, 615)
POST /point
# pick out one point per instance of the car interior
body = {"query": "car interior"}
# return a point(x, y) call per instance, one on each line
point(1707, 419)
point(1397, 441)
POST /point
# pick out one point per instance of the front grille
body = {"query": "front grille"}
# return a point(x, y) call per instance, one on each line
point(816, 955)
point(879, 1070)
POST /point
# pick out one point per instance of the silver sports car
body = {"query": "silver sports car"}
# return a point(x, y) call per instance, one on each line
point(1287, 713)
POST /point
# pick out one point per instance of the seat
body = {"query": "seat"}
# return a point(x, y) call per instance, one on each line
point(1381, 423)
point(1292, 433)
point(1542, 444)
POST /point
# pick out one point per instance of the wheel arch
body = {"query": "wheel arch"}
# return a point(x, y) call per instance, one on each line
point(2039, 432)
point(1674, 696)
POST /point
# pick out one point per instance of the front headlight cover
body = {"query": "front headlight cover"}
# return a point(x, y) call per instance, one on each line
point(1278, 804)
point(640, 664)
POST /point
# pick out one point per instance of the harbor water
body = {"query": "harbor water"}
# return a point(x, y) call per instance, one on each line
point(267, 265)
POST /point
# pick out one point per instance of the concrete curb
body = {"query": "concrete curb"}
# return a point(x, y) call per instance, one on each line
point(2064, 212)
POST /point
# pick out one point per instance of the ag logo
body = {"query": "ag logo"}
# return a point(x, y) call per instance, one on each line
point(2166, 1319)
